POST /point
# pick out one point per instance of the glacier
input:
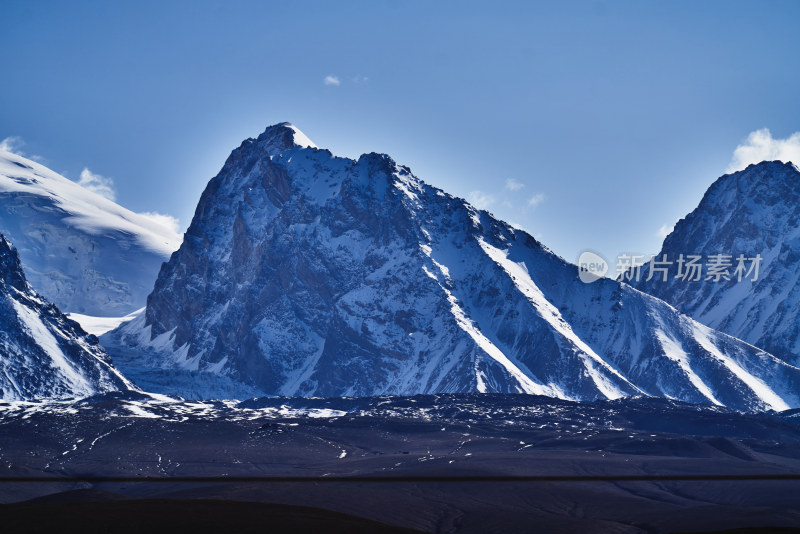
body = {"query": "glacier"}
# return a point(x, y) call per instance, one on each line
point(85, 253)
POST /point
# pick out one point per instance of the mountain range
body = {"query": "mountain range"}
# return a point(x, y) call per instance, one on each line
point(303, 273)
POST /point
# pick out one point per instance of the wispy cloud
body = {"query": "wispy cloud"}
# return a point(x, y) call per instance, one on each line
point(167, 221)
point(761, 146)
point(665, 230)
point(480, 200)
point(99, 184)
point(536, 200)
point(12, 144)
point(513, 185)
point(336, 81)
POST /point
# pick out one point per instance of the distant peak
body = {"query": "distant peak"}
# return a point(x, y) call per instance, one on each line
point(284, 136)
point(766, 165)
point(767, 181)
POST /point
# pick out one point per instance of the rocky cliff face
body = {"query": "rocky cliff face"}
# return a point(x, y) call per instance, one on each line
point(750, 213)
point(303, 273)
point(42, 353)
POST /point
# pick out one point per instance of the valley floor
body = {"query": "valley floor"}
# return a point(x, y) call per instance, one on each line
point(444, 463)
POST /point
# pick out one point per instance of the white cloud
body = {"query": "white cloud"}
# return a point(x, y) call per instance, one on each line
point(99, 184)
point(535, 200)
point(761, 146)
point(330, 79)
point(167, 221)
point(360, 79)
point(665, 230)
point(513, 185)
point(12, 144)
point(480, 200)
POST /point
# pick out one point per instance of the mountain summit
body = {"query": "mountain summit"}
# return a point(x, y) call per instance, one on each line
point(283, 136)
point(754, 213)
point(308, 274)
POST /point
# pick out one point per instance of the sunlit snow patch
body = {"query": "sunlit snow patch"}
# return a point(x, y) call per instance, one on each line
point(100, 325)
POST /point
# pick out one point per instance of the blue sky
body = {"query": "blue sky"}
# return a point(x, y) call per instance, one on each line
point(590, 124)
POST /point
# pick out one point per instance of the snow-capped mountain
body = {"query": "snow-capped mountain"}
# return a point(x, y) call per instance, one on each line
point(751, 213)
point(303, 273)
point(80, 250)
point(43, 354)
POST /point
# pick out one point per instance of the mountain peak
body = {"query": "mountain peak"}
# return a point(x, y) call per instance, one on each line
point(283, 136)
point(752, 213)
point(773, 165)
point(765, 184)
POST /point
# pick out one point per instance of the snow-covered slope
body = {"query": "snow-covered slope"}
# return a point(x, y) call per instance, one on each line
point(100, 325)
point(43, 354)
point(308, 274)
point(80, 250)
point(751, 212)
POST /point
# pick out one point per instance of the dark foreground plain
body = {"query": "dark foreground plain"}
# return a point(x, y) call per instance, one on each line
point(439, 463)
